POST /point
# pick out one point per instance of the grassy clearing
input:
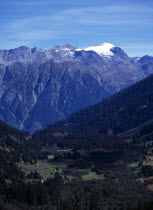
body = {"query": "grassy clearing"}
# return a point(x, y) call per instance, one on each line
point(134, 165)
point(151, 158)
point(64, 150)
point(50, 157)
point(46, 169)
point(141, 180)
point(86, 170)
point(71, 178)
point(150, 161)
point(150, 186)
point(92, 175)
point(147, 178)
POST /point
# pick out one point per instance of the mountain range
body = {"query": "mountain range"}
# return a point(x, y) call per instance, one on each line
point(103, 149)
point(40, 87)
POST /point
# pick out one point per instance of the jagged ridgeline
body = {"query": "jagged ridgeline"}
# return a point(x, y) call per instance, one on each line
point(39, 87)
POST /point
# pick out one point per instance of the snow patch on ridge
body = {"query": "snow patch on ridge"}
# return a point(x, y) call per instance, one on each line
point(102, 50)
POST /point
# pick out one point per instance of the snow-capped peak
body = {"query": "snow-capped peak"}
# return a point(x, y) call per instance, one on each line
point(103, 50)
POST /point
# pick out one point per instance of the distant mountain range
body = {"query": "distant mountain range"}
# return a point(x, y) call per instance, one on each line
point(39, 87)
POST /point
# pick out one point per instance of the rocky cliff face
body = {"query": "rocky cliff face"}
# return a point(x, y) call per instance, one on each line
point(146, 63)
point(39, 87)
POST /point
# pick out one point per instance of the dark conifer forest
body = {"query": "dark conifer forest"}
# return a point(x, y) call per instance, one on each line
point(84, 162)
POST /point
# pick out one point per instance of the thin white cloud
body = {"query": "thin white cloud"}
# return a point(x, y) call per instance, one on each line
point(57, 25)
point(110, 15)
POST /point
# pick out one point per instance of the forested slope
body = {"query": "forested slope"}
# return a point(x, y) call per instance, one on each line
point(129, 109)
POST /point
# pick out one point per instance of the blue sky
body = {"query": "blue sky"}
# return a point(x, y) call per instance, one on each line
point(82, 23)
